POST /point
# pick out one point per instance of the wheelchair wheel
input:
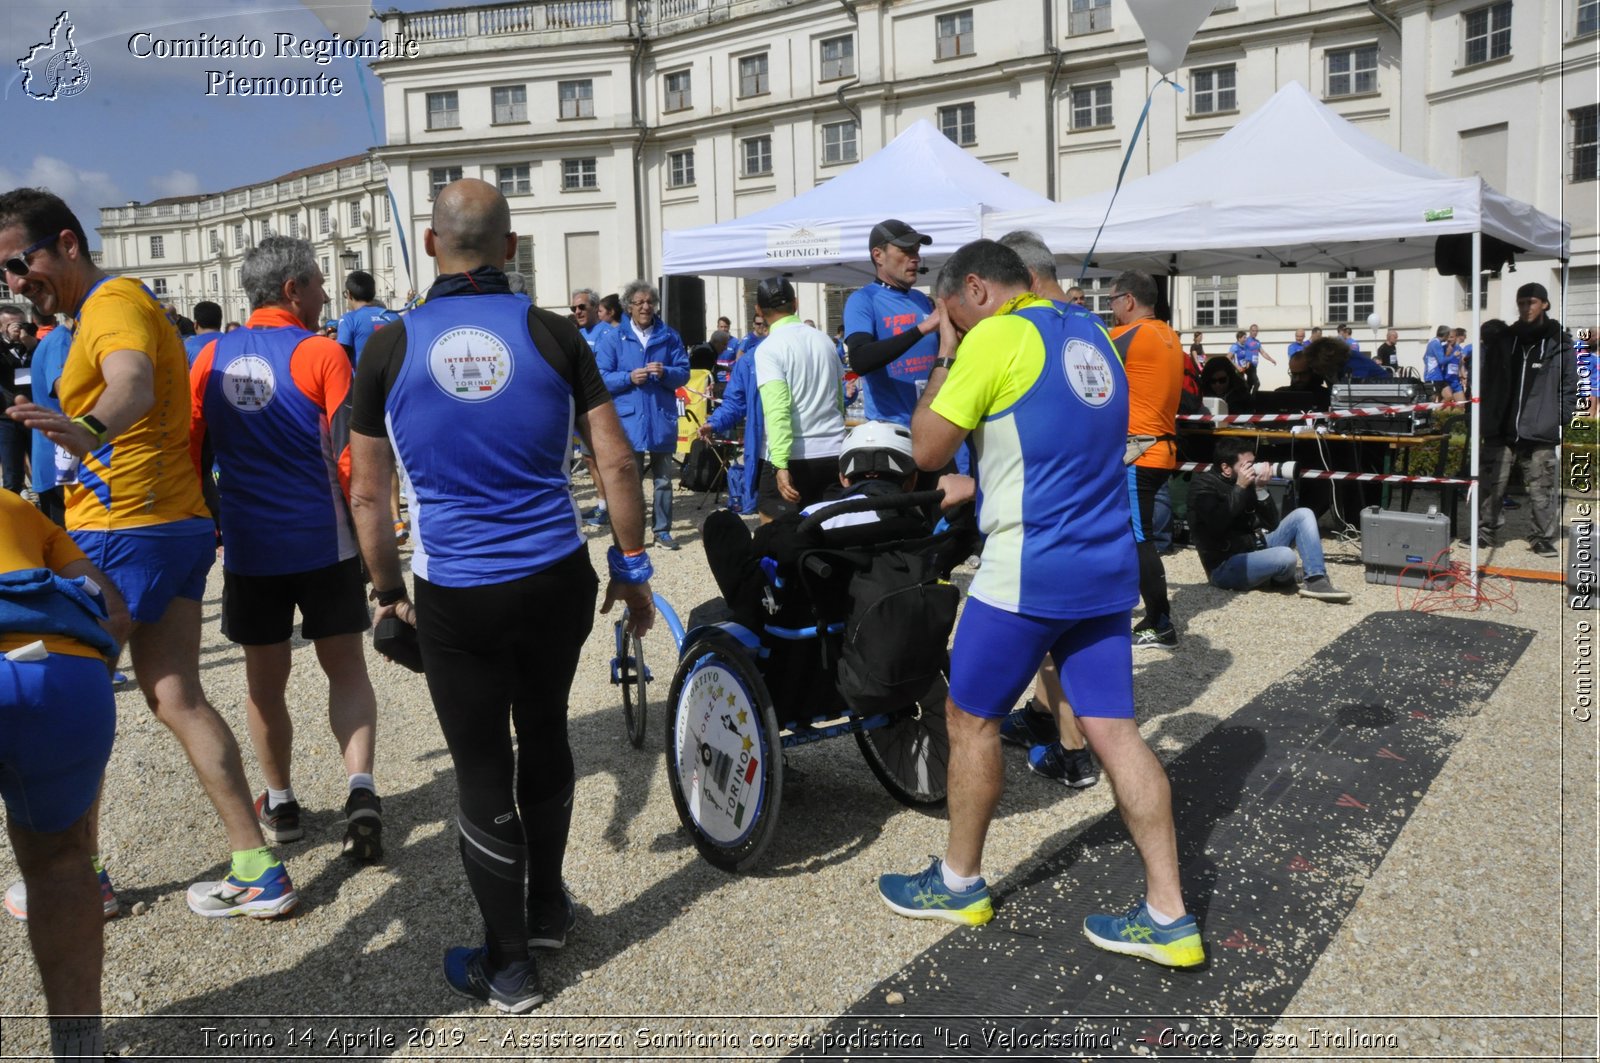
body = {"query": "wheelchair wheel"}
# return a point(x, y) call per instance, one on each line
point(911, 754)
point(635, 680)
point(724, 757)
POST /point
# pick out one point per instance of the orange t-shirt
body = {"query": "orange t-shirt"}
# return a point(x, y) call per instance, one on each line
point(1153, 357)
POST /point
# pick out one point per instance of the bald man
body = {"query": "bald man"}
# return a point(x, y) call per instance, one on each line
point(476, 394)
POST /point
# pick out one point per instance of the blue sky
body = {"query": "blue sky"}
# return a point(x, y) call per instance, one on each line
point(144, 128)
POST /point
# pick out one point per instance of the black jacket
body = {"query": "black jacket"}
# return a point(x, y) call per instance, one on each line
point(1529, 385)
point(1226, 519)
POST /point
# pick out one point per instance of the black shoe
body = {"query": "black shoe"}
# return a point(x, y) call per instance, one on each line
point(1544, 548)
point(1164, 637)
point(279, 823)
point(467, 972)
point(363, 831)
point(1029, 726)
point(551, 920)
point(1070, 767)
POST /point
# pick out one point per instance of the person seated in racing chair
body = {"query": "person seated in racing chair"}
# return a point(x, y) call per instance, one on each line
point(752, 572)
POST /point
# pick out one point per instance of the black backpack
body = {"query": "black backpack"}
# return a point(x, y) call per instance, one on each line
point(703, 468)
point(898, 631)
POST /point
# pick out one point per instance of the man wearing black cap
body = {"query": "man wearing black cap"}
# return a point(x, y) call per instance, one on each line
point(1529, 390)
point(890, 328)
point(802, 403)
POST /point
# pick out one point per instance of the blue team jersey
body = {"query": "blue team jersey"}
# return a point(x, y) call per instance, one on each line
point(891, 393)
point(193, 345)
point(595, 333)
point(283, 508)
point(1242, 356)
point(359, 324)
point(481, 425)
point(1433, 362)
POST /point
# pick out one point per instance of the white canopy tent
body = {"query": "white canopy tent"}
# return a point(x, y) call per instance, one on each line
point(821, 235)
point(1355, 203)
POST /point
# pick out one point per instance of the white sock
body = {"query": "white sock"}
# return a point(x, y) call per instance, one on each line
point(600, 506)
point(279, 797)
point(1160, 918)
point(958, 883)
point(362, 780)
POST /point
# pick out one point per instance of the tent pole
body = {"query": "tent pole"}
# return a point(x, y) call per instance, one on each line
point(1475, 492)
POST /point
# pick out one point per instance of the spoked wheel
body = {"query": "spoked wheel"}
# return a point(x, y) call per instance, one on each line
point(634, 678)
point(724, 758)
point(910, 755)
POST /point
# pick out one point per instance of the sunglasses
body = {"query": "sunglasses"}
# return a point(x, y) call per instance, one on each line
point(18, 267)
point(579, 306)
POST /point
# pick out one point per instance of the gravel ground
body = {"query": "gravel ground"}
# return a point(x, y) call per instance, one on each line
point(1484, 907)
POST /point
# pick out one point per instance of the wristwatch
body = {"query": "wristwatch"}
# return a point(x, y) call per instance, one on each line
point(943, 363)
point(95, 426)
point(388, 597)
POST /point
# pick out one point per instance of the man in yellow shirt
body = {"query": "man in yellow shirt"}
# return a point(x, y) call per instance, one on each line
point(137, 511)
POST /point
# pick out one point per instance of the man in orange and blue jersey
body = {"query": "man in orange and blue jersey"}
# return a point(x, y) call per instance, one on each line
point(273, 398)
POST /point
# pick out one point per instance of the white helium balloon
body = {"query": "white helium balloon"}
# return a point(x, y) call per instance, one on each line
point(1169, 26)
point(1374, 320)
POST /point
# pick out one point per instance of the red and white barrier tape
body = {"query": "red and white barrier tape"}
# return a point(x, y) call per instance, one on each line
point(1363, 477)
point(1310, 416)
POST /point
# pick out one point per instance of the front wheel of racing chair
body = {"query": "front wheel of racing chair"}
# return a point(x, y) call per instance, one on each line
point(911, 753)
point(629, 671)
point(724, 756)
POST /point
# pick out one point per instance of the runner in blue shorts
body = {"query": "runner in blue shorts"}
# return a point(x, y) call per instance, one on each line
point(61, 625)
point(1043, 395)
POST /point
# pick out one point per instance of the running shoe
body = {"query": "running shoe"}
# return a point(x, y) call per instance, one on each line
point(17, 898)
point(1544, 548)
point(1070, 767)
point(266, 897)
point(550, 920)
point(1136, 934)
point(1320, 588)
point(666, 541)
point(363, 826)
point(592, 511)
point(1029, 725)
point(1164, 637)
point(925, 896)
point(279, 823)
point(467, 972)
point(600, 518)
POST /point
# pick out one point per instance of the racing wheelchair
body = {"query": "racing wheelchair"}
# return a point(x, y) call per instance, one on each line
point(753, 683)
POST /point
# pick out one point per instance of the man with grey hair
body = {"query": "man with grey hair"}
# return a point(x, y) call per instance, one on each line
point(644, 363)
point(273, 399)
point(585, 307)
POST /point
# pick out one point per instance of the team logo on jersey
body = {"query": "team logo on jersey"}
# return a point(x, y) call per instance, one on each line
point(248, 383)
point(1088, 372)
point(471, 364)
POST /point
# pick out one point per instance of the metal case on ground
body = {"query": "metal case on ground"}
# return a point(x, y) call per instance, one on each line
point(1406, 549)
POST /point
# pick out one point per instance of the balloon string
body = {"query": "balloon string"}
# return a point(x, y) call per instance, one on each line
point(1127, 157)
point(388, 189)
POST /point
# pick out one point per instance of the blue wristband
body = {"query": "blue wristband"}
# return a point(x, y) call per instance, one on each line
point(625, 569)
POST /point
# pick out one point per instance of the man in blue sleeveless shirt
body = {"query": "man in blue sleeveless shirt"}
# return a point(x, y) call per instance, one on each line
point(1043, 394)
point(476, 393)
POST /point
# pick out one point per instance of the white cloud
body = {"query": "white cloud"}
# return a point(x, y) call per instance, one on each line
point(84, 190)
point(176, 183)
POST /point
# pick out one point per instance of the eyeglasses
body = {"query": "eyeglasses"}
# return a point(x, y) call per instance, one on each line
point(19, 266)
point(1119, 295)
point(576, 307)
point(640, 304)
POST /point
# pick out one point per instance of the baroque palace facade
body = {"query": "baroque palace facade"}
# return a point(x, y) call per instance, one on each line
point(607, 122)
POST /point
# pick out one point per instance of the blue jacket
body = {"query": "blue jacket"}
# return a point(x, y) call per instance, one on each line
point(48, 359)
point(741, 402)
point(648, 411)
point(36, 601)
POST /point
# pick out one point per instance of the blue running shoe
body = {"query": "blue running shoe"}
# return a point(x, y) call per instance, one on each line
point(1136, 934)
point(925, 896)
point(666, 541)
point(1029, 725)
point(600, 518)
point(267, 897)
point(1070, 767)
point(514, 990)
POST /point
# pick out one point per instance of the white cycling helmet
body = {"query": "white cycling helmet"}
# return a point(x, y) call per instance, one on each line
point(875, 447)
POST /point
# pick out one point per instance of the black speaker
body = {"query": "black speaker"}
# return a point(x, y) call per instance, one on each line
point(686, 307)
point(1452, 254)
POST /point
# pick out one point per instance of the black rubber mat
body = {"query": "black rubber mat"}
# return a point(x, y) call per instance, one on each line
point(1283, 812)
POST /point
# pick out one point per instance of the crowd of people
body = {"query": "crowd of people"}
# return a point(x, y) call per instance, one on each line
point(291, 447)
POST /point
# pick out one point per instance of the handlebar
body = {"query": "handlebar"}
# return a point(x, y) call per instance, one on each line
point(870, 504)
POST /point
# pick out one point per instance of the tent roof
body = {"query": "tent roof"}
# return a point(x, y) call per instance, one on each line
point(821, 235)
point(1356, 204)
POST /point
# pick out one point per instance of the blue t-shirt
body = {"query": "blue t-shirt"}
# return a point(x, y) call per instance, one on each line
point(48, 358)
point(1360, 367)
point(885, 311)
point(1433, 362)
point(193, 345)
point(356, 326)
point(595, 333)
point(1243, 356)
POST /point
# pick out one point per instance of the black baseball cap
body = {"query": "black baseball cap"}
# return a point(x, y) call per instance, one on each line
point(774, 292)
point(896, 232)
point(1534, 290)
